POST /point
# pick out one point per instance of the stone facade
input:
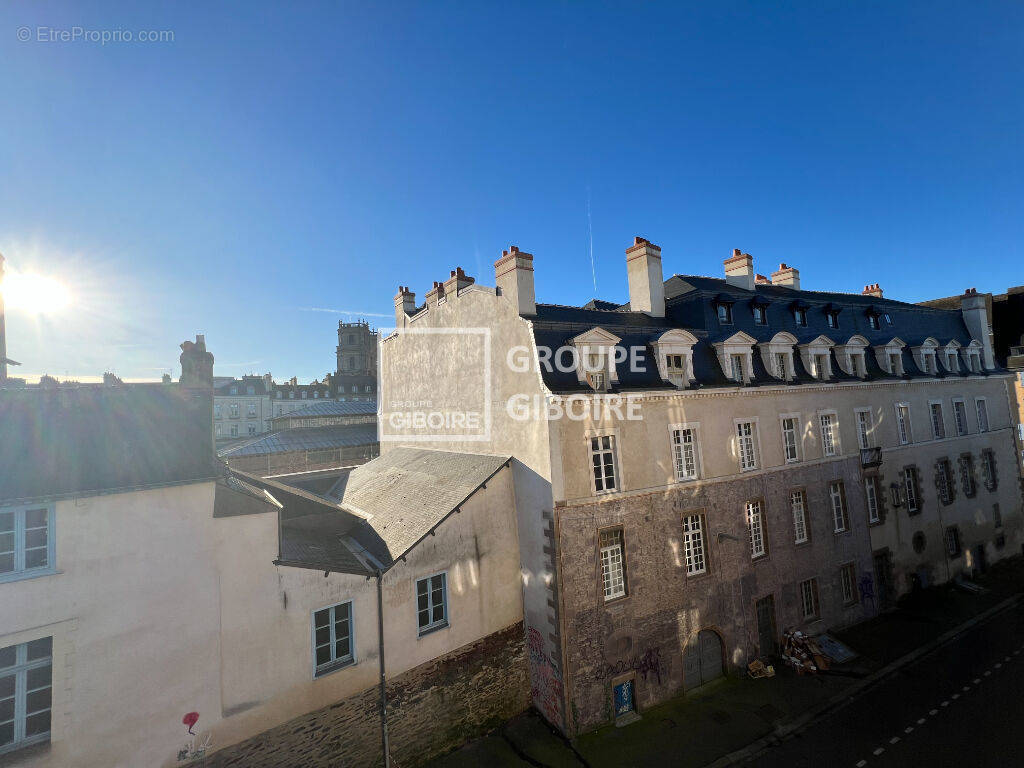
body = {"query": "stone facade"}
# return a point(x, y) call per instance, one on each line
point(431, 709)
point(646, 632)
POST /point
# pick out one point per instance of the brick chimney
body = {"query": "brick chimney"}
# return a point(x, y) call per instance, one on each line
point(435, 294)
point(787, 276)
point(513, 274)
point(646, 283)
point(760, 279)
point(405, 305)
point(196, 364)
point(457, 282)
point(739, 270)
point(974, 307)
point(872, 290)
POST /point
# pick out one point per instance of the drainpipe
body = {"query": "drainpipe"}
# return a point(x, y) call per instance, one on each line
point(383, 679)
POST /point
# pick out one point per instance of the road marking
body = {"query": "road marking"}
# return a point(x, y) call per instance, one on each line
point(1007, 658)
point(967, 688)
point(933, 712)
point(878, 751)
point(909, 729)
point(862, 763)
point(988, 672)
point(998, 664)
point(945, 703)
point(955, 696)
point(1017, 652)
point(920, 721)
point(894, 739)
point(976, 680)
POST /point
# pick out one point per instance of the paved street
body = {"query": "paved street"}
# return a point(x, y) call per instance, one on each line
point(959, 706)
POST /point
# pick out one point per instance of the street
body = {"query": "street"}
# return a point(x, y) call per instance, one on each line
point(958, 706)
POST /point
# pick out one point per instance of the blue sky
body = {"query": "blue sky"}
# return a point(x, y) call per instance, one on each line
point(276, 158)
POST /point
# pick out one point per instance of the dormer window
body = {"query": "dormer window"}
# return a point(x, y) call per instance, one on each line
point(777, 356)
point(972, 356)
point(725, 314)
point(735, 356)
point(888, 318)
point(736, 367)
point(817, 357)
point(800, 315)
point(833, 319)
point(896, 363)
point(673, 351)
point(890, 357)
point(595, 358)
point(924, 356)
point(760, 314)
point(234, 390)
point(873, 322)
point(951, 356)
point(851, 356)
point(250, 390)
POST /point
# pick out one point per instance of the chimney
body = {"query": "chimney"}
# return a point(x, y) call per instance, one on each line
point(405, 306)
point(872, 290)
point(435, 294)
point(760, 279)
point(787, 276)
point(196, 364)
point(457, 282)
point(739, 270)
point(974, 307)
point(646, 284)
point(513, 274)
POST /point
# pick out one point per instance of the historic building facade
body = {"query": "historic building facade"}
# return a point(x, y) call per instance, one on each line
point(710, 463)
point(355, 377)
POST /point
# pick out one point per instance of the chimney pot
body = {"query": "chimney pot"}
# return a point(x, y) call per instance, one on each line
point(739, 270)
point(513, 276)
point(786, 276)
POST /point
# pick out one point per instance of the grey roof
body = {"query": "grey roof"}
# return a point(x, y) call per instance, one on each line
point(304, 439)
point(333, 408)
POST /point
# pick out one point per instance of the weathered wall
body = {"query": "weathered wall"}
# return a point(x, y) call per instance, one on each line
point(647, 631)
point(431, 709)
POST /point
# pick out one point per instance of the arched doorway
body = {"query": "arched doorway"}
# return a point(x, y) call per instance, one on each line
point(702, 661)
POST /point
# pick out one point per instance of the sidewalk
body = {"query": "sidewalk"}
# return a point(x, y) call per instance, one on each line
point(730, 714)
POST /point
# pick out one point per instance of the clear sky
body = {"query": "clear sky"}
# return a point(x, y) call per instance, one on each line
point(278, 160)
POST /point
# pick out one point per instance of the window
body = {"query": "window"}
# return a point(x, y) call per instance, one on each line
point(355, 388)
point(251, 412)
point(789, 441)
point(833, 319)
point(278, 394)
point(736, 367)
point(332, 638)
point(26, 687)
point(953, 541)
point(693, 545)
point(873, 322)
point(602, 455)
point(780, 369)
point(910, 486)
point(432, 603)
point(304, 394)
point(351, 338)
point(369, 388)
point(800, 316)
point(938, 426)
point(234, 430)
point(960, 417)
point(250, 390)
point(848, 584)
point(684, 453)
point(888, 318)
point(755, 526)
point(252, 429)
point(821, 366)
point(895, 363)
point(944, 481)
point(858, 366)
point(234, 390)
point(997, 516)
point(26, 542)
point(837, 495)
point(745, 445)
point(871, 492)
point(809, 598)
point(903, 423)
point(217, 430)
point(798, 504)
point(724, 314)
point(828, 434)
point(613, 564)
point(864, 428)
point(760, 315)
point(291, 395)
point(967, 475)
point(982, 409)
point(953, 361)
point(233, 408)
point(316, 395)
point(988, 468)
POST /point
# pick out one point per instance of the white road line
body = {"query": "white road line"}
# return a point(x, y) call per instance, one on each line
point(988, 672)
point(894, 739)
point(909, 729)
point(862, 763)
point(976, 680)
point(920, 721)
point(945, 703)
point(878, 751)
point(955, 696)
point(1017, 652)
point(967, 688)
point(933, 712)
point(999, 664)
point(1007, 658)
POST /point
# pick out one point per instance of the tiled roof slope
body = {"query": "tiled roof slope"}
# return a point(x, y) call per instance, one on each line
point(80, 440)
point(690, 305)
point(333, 408)
point(304, 439)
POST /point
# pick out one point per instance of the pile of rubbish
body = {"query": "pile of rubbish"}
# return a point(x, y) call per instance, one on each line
point(803, 652)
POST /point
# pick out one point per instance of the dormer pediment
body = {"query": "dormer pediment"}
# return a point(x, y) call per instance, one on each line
point(856, 341)
point(737, 339)
point(821, 341)
point(676, 336)
point(595, 337)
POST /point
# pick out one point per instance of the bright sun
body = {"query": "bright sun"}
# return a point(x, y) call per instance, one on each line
point(34, 293)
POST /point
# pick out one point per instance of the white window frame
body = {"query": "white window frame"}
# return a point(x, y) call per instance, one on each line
point(883, 352)
point(217, 410)
point(904, 426)
point(676, 342)
point(616, 478)
point(798, 506)
point(837, 500)
point(781, 344)
point(810, 352)
point(433, 625)
point(795, 417)
point(939, 428)
point(945, 484)
point(847, 583)
point(335, 663)
point(738, 344)
point(738, 438)
point(924, 356)
point(852, 356)
point(864, 419)
point(960, 416)
point(695, 548)
point(830, 445)
point(809, 595)
point(968, 482)
point(613, 588)
point(20, 672)
point(910, 489)
point(20, 541)
point(871, 499)
point(233, 410)
point(754, 512)
point(980, 407)
point(679, 452)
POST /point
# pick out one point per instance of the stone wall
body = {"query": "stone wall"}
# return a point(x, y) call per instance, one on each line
point(431, 709)
point(645, 633)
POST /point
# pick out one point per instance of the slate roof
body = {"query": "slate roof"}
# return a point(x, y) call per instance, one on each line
point(333, 408)
point(690, 305)
point(256, 382)
point(71, 441)
point(304, 439)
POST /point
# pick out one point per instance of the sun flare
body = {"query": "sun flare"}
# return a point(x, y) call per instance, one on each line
point(35, 294)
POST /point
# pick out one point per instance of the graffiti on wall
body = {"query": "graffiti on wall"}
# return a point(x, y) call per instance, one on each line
point(644, 664)
point(545, 681)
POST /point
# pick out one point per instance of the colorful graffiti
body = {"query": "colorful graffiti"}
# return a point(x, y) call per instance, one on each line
point(647, 663)
point(546, 690)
